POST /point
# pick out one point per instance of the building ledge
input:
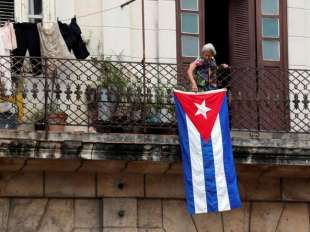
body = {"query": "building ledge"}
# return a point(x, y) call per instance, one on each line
point(249, 148)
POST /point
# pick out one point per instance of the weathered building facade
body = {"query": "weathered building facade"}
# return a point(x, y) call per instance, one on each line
point(114, 164)
point(125, 182)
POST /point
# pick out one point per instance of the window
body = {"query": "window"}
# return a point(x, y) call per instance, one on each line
point(35, 10)
point(270, 30)
point(189, 16)
point(6, 11)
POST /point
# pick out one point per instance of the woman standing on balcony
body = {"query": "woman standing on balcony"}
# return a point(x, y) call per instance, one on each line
point(202, 72)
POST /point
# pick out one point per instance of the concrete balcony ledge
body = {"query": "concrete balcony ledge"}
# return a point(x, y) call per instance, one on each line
point(249, 147)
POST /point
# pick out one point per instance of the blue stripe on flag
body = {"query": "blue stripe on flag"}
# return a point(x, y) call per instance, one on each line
point(209, 171)
point(229, 166)
point(183, 136)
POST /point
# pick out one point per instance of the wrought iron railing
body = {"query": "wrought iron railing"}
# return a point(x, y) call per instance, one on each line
point(117, 96)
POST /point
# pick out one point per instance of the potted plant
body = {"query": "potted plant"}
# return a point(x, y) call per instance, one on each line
point(38, 120)
point(56, 118)
point(112, 94)
point(154, 109)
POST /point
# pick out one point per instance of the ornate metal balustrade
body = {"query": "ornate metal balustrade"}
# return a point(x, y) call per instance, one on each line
point(117, 96)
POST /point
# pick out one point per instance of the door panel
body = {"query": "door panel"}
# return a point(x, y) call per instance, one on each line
point(244, 109)
point(272, 65)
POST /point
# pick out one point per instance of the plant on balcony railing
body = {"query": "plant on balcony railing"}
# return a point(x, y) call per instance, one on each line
point(56, 118)
point(112, 89)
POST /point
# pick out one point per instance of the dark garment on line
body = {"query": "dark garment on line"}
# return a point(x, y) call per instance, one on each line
point(72, 36)
point(27, 37)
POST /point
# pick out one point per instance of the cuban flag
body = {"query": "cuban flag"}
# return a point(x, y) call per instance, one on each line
point(209, 171)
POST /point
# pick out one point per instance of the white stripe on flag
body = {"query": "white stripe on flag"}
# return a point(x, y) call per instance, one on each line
point(198, 177)
point(220, 177)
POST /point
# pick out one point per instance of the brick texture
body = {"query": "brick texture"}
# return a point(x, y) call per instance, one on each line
point(150, 213)
point(67, 184)
point(164, 186)
point(121, 185)
point(296, 189)
point(120, 212)
point(21, 184)
point(266, 188)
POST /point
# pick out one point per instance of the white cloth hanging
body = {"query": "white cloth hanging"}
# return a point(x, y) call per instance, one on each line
point(52, 42)
point(7, 43)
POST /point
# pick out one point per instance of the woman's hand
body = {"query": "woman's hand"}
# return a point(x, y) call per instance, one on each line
point(225, 66)
point(194, 87)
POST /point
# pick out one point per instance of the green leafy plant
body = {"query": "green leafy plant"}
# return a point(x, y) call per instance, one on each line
point(38, 116)
point(113, 77)
point(54, 108)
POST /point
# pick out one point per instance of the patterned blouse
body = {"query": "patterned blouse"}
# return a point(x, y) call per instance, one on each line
point(205, 73)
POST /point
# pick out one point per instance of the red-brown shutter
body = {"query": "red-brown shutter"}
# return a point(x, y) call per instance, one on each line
point(244, 111)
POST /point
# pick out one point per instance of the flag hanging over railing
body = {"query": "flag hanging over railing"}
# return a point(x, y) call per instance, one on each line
point(209, 170)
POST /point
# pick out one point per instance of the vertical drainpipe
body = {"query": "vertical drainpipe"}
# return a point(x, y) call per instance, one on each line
point(101, 30)
point(157, 43)
point(143, 64)
point(157, 32)
point(143, 31)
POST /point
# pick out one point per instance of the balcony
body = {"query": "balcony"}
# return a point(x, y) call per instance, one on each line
point(102, 109)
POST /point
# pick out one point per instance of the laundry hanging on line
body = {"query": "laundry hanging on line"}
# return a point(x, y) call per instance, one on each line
point(55, 40)
point(7, 44)
point(72, 36)
point(28, 39)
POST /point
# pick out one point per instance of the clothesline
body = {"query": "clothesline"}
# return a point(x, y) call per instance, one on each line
point(121, 27)
point(103, 11)
point(134, 57)
point(132, 28)
point(93, 13)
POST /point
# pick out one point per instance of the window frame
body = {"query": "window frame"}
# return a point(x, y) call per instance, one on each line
point(282, 16)
point(35, 17)
point(22, 11)
point(200, 35)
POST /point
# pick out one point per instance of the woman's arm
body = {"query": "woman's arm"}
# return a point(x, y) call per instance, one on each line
point(190, 74)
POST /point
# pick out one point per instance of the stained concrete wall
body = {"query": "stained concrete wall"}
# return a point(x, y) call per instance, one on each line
point(134, 201)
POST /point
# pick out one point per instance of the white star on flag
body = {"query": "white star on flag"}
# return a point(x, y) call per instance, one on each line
point(202, 109)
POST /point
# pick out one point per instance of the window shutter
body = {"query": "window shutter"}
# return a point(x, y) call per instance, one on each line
point(243, 61)
point(242, 32)
point(6, 11)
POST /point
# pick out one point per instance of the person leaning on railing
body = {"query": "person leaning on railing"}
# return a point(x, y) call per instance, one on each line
point(202, 72)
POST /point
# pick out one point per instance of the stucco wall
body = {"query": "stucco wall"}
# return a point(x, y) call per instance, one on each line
point(299, 57)
point(299, 33)
point(118, 33)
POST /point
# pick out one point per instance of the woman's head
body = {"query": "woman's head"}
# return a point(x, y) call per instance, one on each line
point(208, 51)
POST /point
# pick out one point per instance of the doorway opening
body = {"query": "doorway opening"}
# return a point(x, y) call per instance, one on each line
point(217, 28)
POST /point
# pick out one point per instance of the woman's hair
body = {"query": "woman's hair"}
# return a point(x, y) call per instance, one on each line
point(209, 48)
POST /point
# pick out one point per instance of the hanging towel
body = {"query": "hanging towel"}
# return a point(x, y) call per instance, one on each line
point(72, 36)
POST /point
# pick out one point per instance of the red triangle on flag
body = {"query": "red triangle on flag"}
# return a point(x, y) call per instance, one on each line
point(202, 108)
